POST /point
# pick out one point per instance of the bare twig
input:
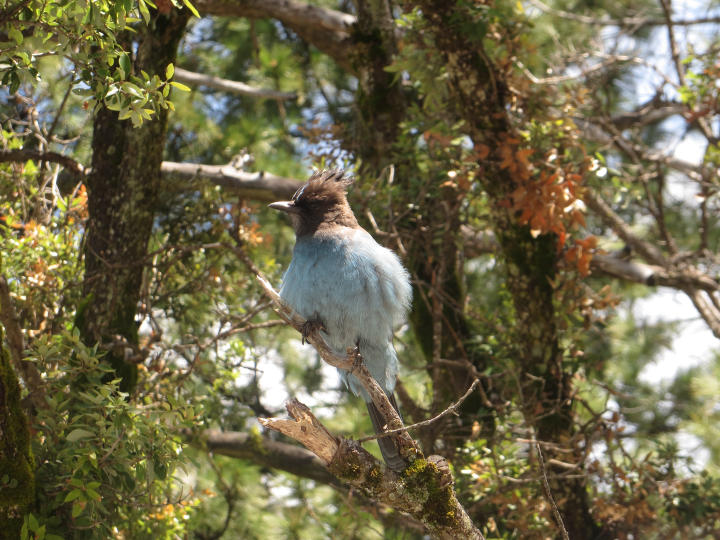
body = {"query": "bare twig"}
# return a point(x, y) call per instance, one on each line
point(451, 409)
point(549, 495)
point(646, 249)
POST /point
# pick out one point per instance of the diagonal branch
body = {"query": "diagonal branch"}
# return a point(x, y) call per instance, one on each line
point(647, 250)
point(707, 310)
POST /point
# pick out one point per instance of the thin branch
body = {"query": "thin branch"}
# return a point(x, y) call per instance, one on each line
point(549, 495)
point(645, 249)
point(674, 51)
point(226, 85)
point(451, 409)
point(595, 133)
point(649, 113)
point(709, 313)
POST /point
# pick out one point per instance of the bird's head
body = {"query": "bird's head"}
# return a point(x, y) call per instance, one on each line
point(319, 203)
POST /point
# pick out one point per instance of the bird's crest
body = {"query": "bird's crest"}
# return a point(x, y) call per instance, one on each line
point(325, 186)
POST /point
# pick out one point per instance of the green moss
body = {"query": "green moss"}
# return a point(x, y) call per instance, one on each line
point(438, 503)
point(17, 479)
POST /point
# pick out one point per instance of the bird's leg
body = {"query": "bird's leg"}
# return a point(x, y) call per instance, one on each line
point(311, 326)
point(357, 357)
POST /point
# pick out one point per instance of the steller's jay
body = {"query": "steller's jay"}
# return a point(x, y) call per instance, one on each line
point(347, 285)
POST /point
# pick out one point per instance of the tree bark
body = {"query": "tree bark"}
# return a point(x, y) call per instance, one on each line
point(123, 189)
point(17, 477)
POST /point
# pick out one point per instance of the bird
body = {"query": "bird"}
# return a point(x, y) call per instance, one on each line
point(348, 287)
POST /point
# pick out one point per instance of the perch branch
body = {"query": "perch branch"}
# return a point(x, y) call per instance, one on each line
point(406, 444)
point(425, 491)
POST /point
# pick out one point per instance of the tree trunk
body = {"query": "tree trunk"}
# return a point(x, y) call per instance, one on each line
point(530, 262)
point(17, 478)
point(123, 191)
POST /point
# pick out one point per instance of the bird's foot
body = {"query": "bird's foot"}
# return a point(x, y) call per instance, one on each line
point(357, 357)
point(311, 326)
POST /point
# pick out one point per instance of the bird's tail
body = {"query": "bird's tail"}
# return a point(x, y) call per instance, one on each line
point(389, 451)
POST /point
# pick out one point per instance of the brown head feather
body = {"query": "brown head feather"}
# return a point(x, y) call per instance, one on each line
point(321, 203)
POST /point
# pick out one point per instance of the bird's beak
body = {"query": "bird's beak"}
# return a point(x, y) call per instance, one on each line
point(285, 206)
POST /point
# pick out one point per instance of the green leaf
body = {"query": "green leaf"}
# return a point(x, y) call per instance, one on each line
point(124, 62)
point(189, 5)
point(180, 86)
point(77, 509)
point(169, 71)
point(77, 434)
point(144, 11)
point(33, 524)
point(74, 494)
point(124, 115)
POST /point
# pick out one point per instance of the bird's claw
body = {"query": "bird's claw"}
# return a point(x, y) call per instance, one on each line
point(309, 327)
point(357, 358)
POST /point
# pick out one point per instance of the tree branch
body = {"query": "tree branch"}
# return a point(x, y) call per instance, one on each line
point(652, 275)
point(225, 85)
point(645, 249)
point(269, 453)
point(260, 186)
point(326, 29)
point(298, 461)
point(424, 490)
point(22, 154)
